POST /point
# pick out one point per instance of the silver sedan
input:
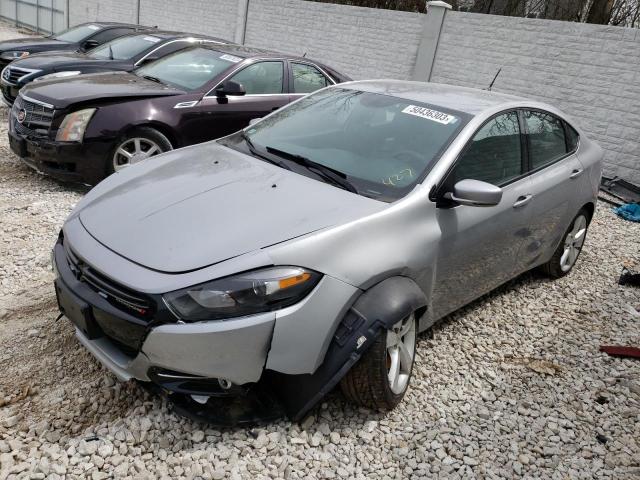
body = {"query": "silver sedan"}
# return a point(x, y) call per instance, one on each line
point(312, 247)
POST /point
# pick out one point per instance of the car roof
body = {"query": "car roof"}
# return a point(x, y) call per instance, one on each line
point(463, 99)
point(251, 52)
point(114, 24)
point(168, 34)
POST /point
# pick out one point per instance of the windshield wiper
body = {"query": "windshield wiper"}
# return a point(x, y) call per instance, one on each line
point(153, 79)
point(254, 151)
point(336, 177)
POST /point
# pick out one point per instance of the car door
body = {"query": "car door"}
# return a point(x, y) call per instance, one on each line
point(555, 176)
point(305, 78)
point(479, 245)
point(265, 83)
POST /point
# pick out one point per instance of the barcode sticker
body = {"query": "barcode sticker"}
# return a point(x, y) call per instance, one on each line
point(429, 114)
point(230, 58)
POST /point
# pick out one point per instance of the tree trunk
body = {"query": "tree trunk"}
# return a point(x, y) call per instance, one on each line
point(600, 12)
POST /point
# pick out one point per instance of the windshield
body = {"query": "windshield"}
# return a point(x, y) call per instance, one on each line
point(382, 144)
point(124, 48)
point(77, 34)
point(189, 69)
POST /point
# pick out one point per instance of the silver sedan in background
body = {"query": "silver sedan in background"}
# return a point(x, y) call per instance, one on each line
point(311, 248)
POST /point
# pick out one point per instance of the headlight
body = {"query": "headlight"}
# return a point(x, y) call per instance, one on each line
point(12, 55)
point(51, 76)
point(73, 126)
point(257, 291)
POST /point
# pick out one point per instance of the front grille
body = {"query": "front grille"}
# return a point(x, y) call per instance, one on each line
point(14, 74)
point(120, 297)
point(36, 118)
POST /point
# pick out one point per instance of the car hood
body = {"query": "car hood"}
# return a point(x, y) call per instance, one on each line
point(56, 60)
point(110, 85)
point(201, 205)
point(30, 44)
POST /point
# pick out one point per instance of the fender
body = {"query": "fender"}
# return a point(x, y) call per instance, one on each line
point(374, 311)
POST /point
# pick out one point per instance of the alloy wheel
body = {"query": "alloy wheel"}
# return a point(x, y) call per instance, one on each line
point(134, 150)
point(573, 243)
point(401, 345)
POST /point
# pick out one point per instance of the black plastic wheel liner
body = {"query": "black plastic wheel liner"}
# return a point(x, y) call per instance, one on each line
point(278, 394)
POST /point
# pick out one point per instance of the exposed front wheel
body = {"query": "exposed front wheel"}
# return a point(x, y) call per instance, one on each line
point(568, 251)
point(136, 146)
point(381, 377)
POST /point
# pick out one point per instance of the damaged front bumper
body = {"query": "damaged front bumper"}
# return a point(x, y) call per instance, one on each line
point(259, 366)
point(206, 355)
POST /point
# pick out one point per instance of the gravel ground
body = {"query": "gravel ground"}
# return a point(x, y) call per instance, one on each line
point(511, 386)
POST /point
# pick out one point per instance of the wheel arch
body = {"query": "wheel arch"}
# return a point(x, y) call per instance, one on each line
point(375, 310)
point(163, 128)
point(590, 207)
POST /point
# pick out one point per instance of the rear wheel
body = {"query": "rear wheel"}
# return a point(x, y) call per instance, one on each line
point(135, 146)
point(567, 253)
point(381, 377)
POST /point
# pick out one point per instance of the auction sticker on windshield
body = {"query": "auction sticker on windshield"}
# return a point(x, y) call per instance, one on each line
point(151, 39)
point(429, 114)
point(93, 27)
point(230, 58)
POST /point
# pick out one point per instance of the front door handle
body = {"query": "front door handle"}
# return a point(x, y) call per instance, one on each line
point(522, 201)
point(576, 173)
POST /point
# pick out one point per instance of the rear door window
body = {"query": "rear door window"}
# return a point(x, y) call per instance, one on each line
point(307, 78)
point(110, 34)
point(494, 155)
point(261, 78)
point(545, 136)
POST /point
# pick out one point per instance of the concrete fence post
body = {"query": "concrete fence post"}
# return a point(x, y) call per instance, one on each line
point(138, 12)
point(426, 56)
point(241, 21)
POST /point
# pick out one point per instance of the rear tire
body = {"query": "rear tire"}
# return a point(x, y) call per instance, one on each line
point(136, 145)
point(567, 253)
point(381, 377)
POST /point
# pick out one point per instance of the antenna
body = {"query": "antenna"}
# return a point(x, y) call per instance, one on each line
point(304, 54)
point(494, 79)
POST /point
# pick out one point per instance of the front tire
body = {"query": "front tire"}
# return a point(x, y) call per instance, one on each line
point(135, 146)
point(381, 377)
point(567, 253)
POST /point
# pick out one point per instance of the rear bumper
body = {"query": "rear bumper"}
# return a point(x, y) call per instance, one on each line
point(73, 162)
point(234, 350)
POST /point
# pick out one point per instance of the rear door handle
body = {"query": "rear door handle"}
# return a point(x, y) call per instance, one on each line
point(576, 173)
point(522, 201)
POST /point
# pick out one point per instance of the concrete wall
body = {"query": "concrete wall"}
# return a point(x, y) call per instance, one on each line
point(592, 72)
point(362, 42)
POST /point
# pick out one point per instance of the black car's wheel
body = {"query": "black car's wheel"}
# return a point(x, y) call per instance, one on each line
point(137, 145)
point(381, 377)
point(567, 253)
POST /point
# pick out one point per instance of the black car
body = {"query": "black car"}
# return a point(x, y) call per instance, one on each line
point(124, 54)
point(84, 128)
point(82, 37)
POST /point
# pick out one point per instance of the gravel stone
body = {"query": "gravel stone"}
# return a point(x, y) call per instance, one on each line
point(513, 385)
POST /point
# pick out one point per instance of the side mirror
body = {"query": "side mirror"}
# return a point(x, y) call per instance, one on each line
point(230, 88)
point(89, 44)
point(475, 193)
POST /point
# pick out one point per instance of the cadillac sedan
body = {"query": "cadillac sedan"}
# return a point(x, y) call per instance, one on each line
point(310, 249)
point(86, 127)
